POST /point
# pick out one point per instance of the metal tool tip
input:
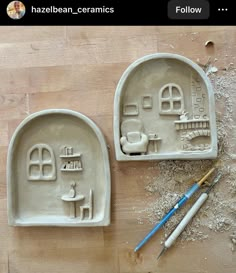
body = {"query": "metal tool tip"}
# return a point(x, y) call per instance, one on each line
point(136, 249)
point(215, 181)
point(162, 252)
point(204, 178)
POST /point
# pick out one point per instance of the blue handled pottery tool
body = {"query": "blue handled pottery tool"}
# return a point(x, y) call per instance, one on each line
point(188, 217)
point(178, 205)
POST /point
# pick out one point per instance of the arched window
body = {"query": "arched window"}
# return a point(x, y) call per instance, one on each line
point(171, 100)
point(41, 163)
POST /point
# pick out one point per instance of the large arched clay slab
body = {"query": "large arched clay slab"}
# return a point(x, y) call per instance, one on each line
point(58, 172)
point(164, 109)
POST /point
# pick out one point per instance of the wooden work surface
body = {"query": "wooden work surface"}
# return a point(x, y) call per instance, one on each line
point(78, 68)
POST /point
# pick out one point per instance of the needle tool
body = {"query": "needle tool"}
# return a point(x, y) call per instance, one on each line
point(188, 217)
point(178, 205)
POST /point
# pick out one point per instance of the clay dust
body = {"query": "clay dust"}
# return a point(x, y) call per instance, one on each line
point(173, 178)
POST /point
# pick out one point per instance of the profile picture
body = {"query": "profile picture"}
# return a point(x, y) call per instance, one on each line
point(16, 10)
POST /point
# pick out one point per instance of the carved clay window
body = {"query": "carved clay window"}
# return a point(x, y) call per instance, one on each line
point(41, 163)
point(171, 100)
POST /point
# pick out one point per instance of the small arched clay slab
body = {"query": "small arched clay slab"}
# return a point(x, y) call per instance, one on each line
point(56, 158)
point(164, 108)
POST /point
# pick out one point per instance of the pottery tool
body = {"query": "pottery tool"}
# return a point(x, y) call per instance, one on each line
point(188, 217)
point(178, 205)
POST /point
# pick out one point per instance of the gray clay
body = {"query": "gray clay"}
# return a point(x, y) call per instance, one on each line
point(164, 109)
point(58, 172)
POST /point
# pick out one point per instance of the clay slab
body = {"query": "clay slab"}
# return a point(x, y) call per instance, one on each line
point(164, 109)
point(58, 172)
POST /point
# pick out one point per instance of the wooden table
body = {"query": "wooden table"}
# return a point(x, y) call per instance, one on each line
point(78, 68)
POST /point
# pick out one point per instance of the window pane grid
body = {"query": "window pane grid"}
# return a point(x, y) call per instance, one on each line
point(37, 167)
point(171, 99)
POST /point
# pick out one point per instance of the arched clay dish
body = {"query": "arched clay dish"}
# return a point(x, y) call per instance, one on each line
point(164, 109)
point(58, 172)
